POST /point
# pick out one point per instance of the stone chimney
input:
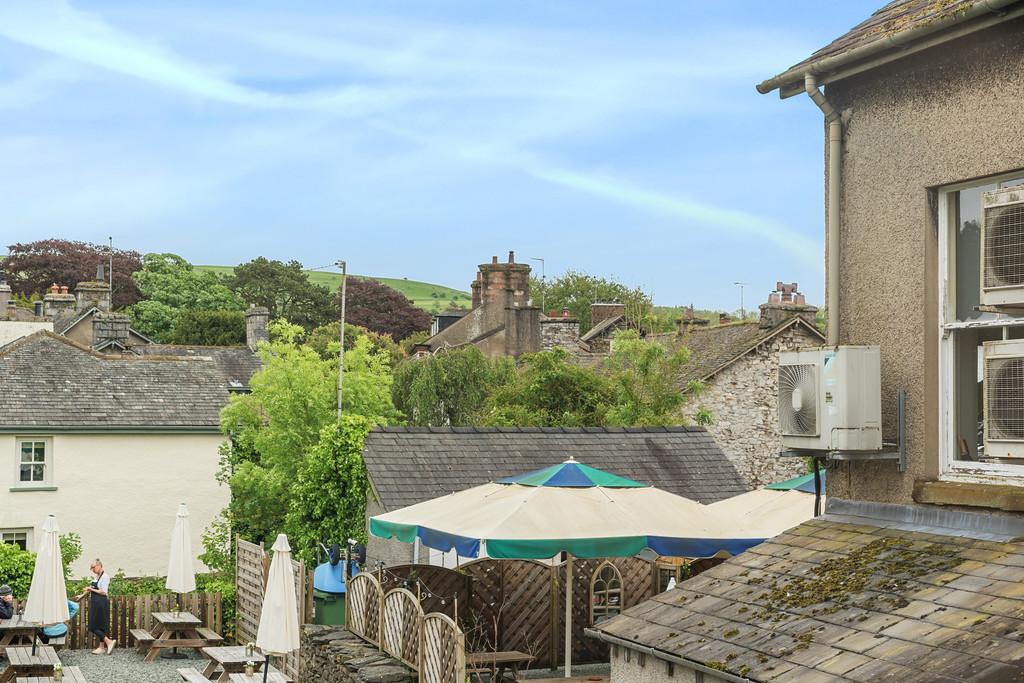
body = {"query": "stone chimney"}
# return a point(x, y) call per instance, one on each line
point(7, 306)
point(94, 293)
point(58, 303)
point(784, 303)
point(689, 320)
point(256, 319)
point(603, 310)
point(507, 284)
point(109, 328)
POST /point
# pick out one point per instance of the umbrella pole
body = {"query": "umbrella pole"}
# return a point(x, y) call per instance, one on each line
point(266, 668)
point(568, 615)
point(35, 637)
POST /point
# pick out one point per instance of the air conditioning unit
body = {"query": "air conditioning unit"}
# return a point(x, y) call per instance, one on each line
point(1002, 253)
point(1004, 399)
point(830, 399)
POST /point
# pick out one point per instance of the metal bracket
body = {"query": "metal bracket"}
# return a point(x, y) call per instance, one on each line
point(899, 454)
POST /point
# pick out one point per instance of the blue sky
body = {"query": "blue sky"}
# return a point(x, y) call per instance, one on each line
point(416, 139)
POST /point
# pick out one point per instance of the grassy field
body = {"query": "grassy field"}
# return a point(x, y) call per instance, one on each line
point(430, 297)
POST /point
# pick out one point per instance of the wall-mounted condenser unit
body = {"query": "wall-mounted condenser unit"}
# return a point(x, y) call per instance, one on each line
point(1002, 253)
point(830, 399)
point(1004, 399)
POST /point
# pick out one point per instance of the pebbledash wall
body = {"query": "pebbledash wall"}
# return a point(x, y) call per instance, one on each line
point(119, 492)
point(743, 400)
point(634, 667)
point(945, 115)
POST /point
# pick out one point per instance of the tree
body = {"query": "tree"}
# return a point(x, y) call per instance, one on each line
point(273, 429)
point(171, 285)
point(32, 267)
point(644, 382)
point(447, 388)
point(324, 340)
point(285, 289)
point(381, 309)
point(328, 500)
point(549, 390)
point(578, 291)
point(209, 328)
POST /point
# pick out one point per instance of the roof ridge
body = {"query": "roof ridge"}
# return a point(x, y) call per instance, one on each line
point(600, 429)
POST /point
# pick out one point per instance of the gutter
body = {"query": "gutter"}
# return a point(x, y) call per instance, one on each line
point(107, 429)
point(718, 674)
point(894, 41)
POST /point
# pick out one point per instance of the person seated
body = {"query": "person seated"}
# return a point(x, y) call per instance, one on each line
point(6, 602)
point(58, 630)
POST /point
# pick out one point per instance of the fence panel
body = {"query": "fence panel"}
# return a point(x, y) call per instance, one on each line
point(403, 620)
point(250, 578)
point(443, 658)
point(363, 612)
point(129, 612)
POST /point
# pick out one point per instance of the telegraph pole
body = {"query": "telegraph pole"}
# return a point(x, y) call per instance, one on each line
point(743, 311)
point(110, 270)
point(341, 353)
point(543, 285)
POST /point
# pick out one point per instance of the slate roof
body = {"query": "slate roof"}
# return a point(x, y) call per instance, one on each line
point(896, 16)
point(408, 465)
point(237, 364)
point(715, 348)
point(50, 381)
point(841, 601)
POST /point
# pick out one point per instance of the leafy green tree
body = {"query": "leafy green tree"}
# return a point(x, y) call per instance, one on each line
point(274, 428)
point(578, 291)
point(170, 285)
point(209, 328)
point(447, 388)
point(324, 340)
point(644, 379)
point(285, 289)
point(328, 500)
point(549, 390)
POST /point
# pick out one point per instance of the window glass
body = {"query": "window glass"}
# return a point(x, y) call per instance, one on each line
point(18, 538)
point(32, 467)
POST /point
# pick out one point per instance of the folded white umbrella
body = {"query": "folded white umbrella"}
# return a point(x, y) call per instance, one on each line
point(47, 602)
point(278, 633)
point(181, 577)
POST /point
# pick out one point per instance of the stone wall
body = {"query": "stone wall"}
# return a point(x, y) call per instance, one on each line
point(743, 400)
point(330, 654)
point(559, 332)
point(390, 551)
point(630, 666)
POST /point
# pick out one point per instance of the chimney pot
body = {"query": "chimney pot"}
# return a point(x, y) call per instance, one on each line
point(565, 313)
point(494, 260)
point(64, 289)
point(54, 289)
point(511, 256)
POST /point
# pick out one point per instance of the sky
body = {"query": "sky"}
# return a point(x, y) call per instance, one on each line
point(418, 139)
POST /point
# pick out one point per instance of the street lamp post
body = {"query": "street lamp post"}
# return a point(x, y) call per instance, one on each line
point(341, 352)
point(743, 311)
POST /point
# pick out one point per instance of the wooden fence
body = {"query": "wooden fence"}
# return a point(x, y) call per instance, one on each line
point(520, 604)
point(135, 611)
point(251, 567)
point(431, 644)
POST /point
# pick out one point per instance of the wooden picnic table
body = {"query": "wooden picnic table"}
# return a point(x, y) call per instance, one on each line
point(72, 674)
point(16, 630)
point(232, 659)
point(21, 662)
point(497, 664)
point(174, 629)
point(272, 677)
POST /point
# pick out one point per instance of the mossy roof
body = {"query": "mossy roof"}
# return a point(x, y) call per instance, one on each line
point(836, 601)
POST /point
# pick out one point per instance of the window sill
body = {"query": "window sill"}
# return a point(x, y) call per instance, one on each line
point(970, 494)
point(19, 489)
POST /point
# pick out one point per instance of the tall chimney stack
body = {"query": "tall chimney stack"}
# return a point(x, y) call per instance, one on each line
point(785, 303)
point(256, 320)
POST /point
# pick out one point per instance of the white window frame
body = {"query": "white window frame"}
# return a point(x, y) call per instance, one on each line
point(19, 530)
point(950, 468)
point(47, 482)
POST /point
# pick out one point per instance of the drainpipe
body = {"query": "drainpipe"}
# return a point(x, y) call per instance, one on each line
point(835, 151)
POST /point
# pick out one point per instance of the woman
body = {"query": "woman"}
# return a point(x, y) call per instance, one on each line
point(99, 608)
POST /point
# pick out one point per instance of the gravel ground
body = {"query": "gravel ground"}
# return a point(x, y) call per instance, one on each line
point(127, 666)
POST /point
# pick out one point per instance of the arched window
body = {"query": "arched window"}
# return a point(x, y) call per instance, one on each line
point(605, 593)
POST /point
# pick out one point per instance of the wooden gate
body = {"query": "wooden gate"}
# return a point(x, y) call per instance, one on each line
point(443, 659)
point(403, 619)
point(365, 601)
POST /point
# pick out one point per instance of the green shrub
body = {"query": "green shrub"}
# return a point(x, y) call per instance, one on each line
point(16, 567)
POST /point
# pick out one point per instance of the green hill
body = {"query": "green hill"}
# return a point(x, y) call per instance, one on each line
point(429, 297)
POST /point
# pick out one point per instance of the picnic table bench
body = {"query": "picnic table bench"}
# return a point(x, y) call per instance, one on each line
point(16, 630)
point(497, 664)
point(231, 659)
point(22, 663)
point(72, 674)
point(173, 629)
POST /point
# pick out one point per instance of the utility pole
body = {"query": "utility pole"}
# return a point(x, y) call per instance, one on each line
point(743, 311)
point(341, 353)
point(110, 269)
point(543, 285)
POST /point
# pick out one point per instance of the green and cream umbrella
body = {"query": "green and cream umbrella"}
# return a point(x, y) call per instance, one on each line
point(567, 508)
